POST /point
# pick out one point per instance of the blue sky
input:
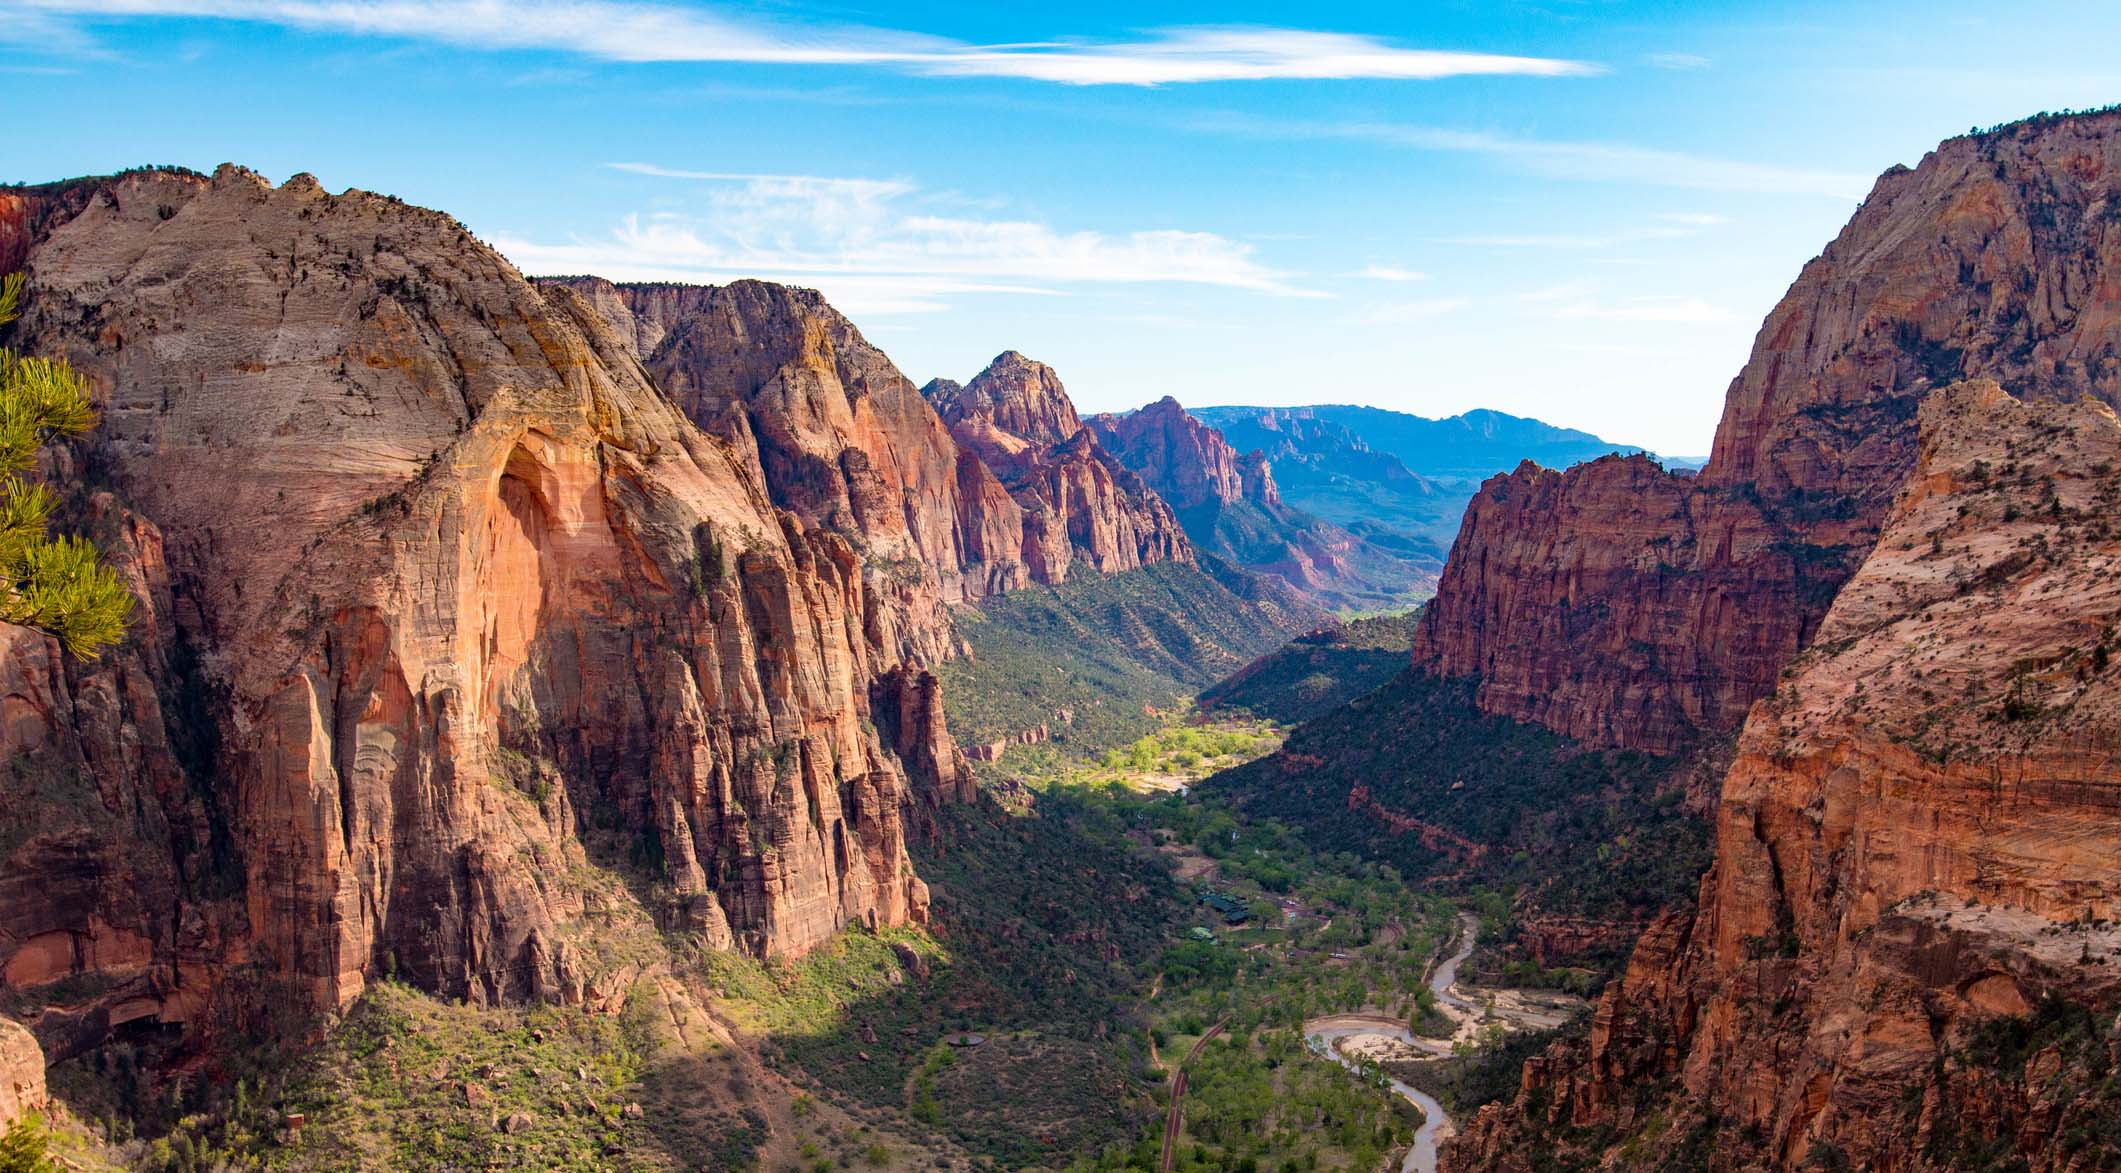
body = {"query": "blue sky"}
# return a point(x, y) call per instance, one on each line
point(1577, 211)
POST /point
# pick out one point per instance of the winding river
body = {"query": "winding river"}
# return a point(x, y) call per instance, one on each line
point(1327, 1033)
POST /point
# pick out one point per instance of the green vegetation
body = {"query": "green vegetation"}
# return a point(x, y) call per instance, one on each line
point(59, 584)
point(2081, 1096)
point(1316, 673)
point(1328, 932)
point(1414, 776)
point(1099, 661)
point(25, 1147)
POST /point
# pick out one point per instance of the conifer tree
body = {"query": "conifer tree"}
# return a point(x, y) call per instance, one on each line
point(57, 584)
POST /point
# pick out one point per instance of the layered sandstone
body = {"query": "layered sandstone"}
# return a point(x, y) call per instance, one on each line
point(1625, 606)
point(1080, 504)
point(1231, 507)
point(459, 636)
point(845, 441)
point(1916, 836)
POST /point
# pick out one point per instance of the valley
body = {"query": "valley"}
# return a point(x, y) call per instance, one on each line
point(453, 718)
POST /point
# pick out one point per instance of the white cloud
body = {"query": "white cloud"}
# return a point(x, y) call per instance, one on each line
point(1391, 273)
point(1669, 226)
point(874, 246)
point(636, 30)
point(1681, 61)
point(1582, 161)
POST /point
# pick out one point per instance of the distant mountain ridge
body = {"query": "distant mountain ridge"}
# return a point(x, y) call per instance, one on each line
point(1399, 482)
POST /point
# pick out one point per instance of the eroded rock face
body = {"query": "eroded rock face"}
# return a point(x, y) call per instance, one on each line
point(1080, 503)
point(1917, 835)
point(845, 441)
point(1624, 606)
point(21, 1074)
point(1188, 463)
point(454, 624)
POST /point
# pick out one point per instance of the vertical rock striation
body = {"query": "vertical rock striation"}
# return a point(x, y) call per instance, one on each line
point(1080, 504)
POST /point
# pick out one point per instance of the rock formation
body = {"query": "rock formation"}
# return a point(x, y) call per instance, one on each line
point(1079, 502)
point(1231, 507)
point(453, 621)
point(845, 440)
point(21, 1074)
point(1627, 606)
point(1916, 837)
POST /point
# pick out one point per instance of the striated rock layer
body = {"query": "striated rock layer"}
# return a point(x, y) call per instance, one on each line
point(459, 636)
point(845, 440)
point(1080, 504)
point(1626, 606)
point(1917, 836)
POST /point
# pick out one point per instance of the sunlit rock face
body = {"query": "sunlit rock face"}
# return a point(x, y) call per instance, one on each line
point(1082, 508)
point(455, 622)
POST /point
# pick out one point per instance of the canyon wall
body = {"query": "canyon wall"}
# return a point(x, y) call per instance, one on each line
point(1080, 504)
point(464, 650)
point(1626, 606)
point(1916, 837)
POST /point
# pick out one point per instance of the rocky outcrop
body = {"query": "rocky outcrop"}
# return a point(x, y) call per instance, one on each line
point(1188, 463)
point(1915, 839)
point(845, 441)
point(1231, 507)
point(1080, 504)
point(460, 639)
point(1626, 606)
point(21, 1074)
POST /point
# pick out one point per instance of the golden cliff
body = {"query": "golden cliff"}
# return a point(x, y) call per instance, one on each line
point(1626, 606)
point(1915, 843)
point(463, 634)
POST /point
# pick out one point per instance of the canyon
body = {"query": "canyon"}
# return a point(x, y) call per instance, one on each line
point(1896, 571)
point(1625, 605)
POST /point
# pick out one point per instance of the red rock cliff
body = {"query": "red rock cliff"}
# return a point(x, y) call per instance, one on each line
point(845, 440)
point(1916, 836)
point(1624, 606)
point(1081, 505)
point(451, 619)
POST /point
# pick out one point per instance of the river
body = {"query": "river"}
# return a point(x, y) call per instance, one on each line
point(1327, 1033)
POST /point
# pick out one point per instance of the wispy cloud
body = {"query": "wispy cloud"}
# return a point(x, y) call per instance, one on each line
point(1679, 61)
point(635, 30)
point(1391, 273)
point(1582, 161)
point(875, 246)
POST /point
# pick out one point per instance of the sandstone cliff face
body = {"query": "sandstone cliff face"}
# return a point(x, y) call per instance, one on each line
point(845, 441)
point(452, 621)
point(21, 1074)
point(1080, 504)
point(1917, 835)
point(1188, 463)
point(1231, 507)
point(1672, 609)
